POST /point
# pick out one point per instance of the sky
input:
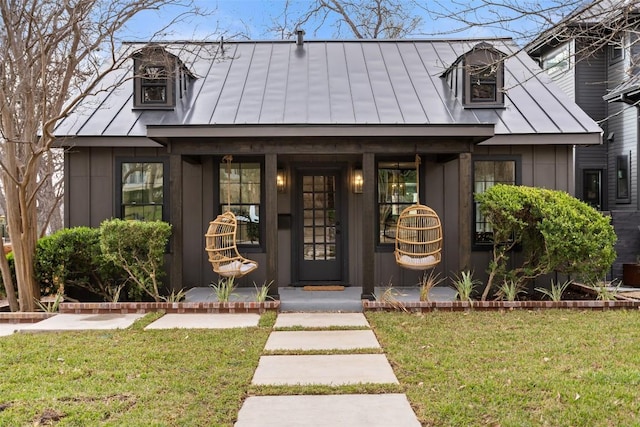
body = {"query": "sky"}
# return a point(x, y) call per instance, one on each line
point(252, 18)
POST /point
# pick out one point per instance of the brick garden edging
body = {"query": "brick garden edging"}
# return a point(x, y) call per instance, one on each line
point(24, 317)
point(169, 307)
point(427, 306)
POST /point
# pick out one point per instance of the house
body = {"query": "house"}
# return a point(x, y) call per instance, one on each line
point(323, 137)
point(592, 56)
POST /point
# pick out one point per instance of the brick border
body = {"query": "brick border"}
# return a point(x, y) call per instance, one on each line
point(428, 306)
point(24, 317)
point(169, 307)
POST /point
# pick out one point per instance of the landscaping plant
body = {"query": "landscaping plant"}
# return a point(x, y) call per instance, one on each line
point(224, 288)
point(72, 258)
point(555, 231)
point(428, 281)
point(262, 292)
point(138, 247)
point(510, 289)
point(464, 285)
point(556, 291)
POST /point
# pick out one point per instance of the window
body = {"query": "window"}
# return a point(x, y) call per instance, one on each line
point(592, 187)
point(483, 85)
point(558, 62)
point(616, 50)
point(143, 189)
point(397, 189)
point(483, 77)
point(240, 190)
point(159, 79)
point(153, 84)
point(487, 173)
point(622, 179)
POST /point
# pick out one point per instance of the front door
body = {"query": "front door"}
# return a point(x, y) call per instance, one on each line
point(318, 237)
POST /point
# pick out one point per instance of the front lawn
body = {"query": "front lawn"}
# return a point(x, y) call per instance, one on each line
point(546, 368)
point(127, 377)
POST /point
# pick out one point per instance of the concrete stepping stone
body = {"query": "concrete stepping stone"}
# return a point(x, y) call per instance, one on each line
point(337, 369)
point(321, 340)
point(81, 322)
point(205, 321)
point(353, 410)
point(321, 320)
point(9, 328)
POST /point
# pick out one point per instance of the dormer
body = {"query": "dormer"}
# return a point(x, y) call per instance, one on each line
point(477, 77)
point(159, 79)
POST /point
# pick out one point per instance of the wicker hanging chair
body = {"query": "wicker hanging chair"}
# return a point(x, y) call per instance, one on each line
point(221, 243)
point(418, 236)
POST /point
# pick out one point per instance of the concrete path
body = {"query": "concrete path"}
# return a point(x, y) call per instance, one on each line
point(206, 321)
point(80, 322)
point(321, 340)
point(9, 328)
point(353, 410)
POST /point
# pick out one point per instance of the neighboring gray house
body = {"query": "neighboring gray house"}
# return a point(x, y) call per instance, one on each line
point(323, 136)
point(592, 56)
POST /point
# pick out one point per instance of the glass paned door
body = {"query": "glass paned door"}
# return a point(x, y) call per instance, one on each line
point(320, 227)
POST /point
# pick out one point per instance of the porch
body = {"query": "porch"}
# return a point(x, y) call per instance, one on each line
point(297, 299)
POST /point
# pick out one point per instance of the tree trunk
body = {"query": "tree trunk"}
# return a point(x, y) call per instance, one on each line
point(9, 286)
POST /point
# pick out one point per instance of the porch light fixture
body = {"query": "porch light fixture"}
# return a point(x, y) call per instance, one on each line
point(358, 180)
point(281, 181)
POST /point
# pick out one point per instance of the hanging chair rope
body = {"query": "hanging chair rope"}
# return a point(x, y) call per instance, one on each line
point(221, 239)
point(418, 234)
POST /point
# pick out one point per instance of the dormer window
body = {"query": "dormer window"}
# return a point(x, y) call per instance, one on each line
point(483, 69)
point(160, 78)
point(476, 78)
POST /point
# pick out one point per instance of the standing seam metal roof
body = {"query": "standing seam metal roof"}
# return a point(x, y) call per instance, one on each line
point(350, 83)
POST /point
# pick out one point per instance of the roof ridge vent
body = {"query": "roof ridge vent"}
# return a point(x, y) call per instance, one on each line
point(300, 35)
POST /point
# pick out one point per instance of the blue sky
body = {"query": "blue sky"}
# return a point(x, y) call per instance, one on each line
point(254, 17)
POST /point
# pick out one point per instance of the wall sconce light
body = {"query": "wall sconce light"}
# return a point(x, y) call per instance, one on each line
point(281, 181)
point(358, 181)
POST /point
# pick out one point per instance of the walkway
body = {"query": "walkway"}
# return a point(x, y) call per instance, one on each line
point(329, 369)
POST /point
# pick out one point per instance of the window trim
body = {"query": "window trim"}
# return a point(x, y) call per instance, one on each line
point(616, 50)
point(118, 208)
point(218, 203)
point(170, 67)
point(474, 60)
point(390, 246)
point(627, 167)
point(475, 246)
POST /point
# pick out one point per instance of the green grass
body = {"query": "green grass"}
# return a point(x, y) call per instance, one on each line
point(128, 377)
point(547, 368)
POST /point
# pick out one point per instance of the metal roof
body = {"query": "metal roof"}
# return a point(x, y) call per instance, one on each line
point(360, 85)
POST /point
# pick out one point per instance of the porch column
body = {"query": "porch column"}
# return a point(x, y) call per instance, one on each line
point(465, 195)
point(270, 216)
point(368, 225)
point(175, 219)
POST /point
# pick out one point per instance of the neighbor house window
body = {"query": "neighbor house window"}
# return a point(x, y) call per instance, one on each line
point(616, 50)
point(143, 191)
point(559, 61)
point(487, 173)
point(240, 191)
point(484, 76)
point(622, 179)
point(397, 189)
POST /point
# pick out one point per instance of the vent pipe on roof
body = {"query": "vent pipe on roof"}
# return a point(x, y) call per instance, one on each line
point(300, 34)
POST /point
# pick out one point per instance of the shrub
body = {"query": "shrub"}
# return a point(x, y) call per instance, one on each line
point(556, 232)
point(138, 248)
point(71, 258)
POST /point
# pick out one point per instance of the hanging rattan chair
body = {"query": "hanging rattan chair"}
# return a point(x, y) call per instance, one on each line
point(221, 244)
point(418, 236)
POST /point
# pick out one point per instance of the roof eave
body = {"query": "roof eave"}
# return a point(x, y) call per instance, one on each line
point(164, 132)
